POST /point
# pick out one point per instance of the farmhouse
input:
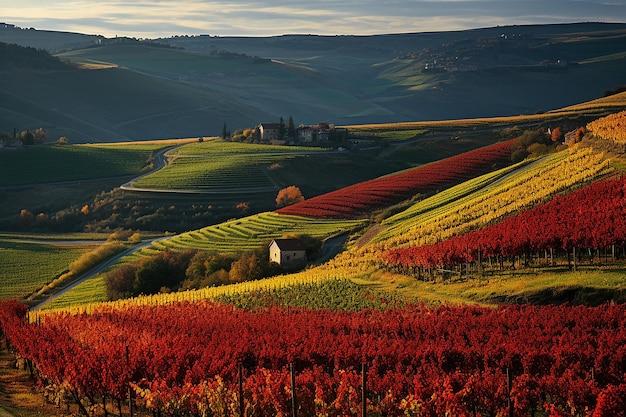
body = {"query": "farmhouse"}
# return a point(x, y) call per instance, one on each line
point(269, 131)
point(314, 133)
point(287, 252)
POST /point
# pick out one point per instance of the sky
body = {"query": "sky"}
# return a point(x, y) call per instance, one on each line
point(164, 18)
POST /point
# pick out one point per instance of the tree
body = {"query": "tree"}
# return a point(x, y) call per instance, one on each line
point(27, 138)
point(282, 130)
point(288, 196)
point(244, 206)
point(225, 132)
point(40, 136)
point(247, 268)
point(291, 129)
point(120, 282)
point(556, 135)
point(26, 217)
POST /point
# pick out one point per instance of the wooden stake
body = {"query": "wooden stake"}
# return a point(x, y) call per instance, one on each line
point(294, 405)
point(363, 390)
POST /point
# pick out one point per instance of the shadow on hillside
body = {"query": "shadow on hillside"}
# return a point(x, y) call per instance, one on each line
point(577, 295)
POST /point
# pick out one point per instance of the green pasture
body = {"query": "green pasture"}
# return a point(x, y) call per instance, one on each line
point(388, 135)
point(55, 237)
point(29, 265)
point(589, 285)
point(56, 163)
point(217, 147)
point(589, 109)
point(252, 232)
point(170, 62)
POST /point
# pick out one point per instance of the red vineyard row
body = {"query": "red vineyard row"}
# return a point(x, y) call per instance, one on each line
point(362, 198)
point(593, 217)
point(184, 359)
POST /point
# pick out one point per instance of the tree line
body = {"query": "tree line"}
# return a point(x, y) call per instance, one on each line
point(172, 270)
point(26, 137)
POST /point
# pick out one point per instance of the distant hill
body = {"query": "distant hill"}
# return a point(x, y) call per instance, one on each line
point(144, 90)
point(15, 57)
point(51, 41)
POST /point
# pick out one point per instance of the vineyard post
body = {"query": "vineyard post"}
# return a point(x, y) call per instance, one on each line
point(241, 405)
point(363, 390)
point(130, 392)
point(509, 383)
point(480, 263)
point(294, 405)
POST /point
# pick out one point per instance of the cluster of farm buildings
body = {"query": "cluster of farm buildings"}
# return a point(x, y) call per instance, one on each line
point(274, 133)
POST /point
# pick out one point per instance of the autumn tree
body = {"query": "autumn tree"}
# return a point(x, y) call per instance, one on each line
point(244, 206)
point(26, 217)
point(247, 268)
point(288, 196)
point(36, 137)
point(557, 135)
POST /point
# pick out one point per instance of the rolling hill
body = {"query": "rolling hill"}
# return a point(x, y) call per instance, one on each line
point(145, 89)
point(385, 325)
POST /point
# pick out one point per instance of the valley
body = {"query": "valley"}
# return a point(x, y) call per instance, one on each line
point(463, 235)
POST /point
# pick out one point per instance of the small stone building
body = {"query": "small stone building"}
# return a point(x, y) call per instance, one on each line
point(288, 252)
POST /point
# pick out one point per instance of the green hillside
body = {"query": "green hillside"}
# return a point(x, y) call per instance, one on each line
point(190, 86)
point(52, 41)
point(468, 206)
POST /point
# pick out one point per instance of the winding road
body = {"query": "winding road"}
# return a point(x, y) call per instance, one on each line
point(96, 270)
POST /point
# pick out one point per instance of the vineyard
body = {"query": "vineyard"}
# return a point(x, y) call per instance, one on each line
point(222, 167)
point(612, 127)
point(361, 199)
point(252, 232)
point(210, 359)
point(351, 337)
point(522, 189)
point(53, 163)
point(591, 219)
point(28, 266)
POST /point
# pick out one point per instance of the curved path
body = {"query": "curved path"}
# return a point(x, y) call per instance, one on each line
point(96, 270)
point(161, 160)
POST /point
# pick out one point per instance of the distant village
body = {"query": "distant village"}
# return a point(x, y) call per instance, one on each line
point(275, 133)
point(319, 134)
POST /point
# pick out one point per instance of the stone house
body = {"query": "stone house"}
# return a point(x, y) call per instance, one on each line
point(287, 252)
point(269, 131)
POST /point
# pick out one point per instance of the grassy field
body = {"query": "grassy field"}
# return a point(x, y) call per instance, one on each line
point(28, 265)
point(589, 285)
point(92, 290)
point(220, 147)
point(55, 163)
point(386, 134)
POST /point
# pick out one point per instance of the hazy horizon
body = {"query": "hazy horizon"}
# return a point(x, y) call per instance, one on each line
point(164, 18)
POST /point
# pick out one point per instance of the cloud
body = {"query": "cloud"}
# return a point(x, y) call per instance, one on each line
point(155, 18)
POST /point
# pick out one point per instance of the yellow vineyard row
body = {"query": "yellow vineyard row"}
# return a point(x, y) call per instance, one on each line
point(611, 127)
point(515, 191)
point(531, 185)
